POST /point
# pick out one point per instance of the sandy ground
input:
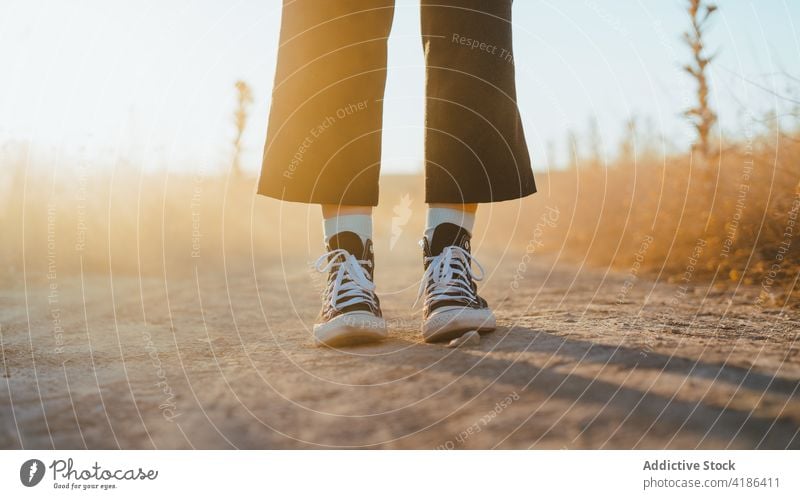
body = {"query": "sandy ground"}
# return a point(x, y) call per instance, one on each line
point(224, 359)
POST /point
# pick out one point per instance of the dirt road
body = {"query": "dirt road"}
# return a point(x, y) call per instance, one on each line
point(221, 359)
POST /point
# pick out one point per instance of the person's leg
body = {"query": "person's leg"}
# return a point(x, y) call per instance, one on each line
point(475, 152)
point(452, 305)
point(355, 219)
point(324, 145)
point(475, 148)
point(351, 309)
point(324, 133)
point(337, 210)
point(459, 214)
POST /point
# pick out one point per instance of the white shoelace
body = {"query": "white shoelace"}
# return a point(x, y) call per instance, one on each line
point(350, 285)
point(447, 275)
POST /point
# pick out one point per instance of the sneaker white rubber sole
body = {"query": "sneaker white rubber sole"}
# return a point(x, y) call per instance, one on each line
point(447, 323)
point(350, 328)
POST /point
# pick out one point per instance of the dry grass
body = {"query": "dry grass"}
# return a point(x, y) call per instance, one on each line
point(644, 217)
point(732, 222)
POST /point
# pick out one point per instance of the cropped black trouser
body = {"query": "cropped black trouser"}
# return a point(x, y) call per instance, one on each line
point(324, 133)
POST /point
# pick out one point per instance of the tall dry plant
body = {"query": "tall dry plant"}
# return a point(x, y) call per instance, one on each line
point(627, 147)
point(701, 115)
point(244, 100)
point(573, 158)
point(596, 154)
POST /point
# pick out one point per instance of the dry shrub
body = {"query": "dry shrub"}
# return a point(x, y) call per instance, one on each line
point(731, 222)
point(650, 215)
point(120, 220)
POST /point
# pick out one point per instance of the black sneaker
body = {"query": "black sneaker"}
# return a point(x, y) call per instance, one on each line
point(452, 305)
point(351, 311)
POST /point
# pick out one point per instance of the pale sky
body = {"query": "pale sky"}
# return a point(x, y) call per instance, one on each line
point(152, 81)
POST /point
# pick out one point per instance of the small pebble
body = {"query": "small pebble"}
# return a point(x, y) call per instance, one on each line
point(470, 338)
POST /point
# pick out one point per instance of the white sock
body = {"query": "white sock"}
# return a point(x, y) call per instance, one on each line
point(359, 224)
point(436, 216)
